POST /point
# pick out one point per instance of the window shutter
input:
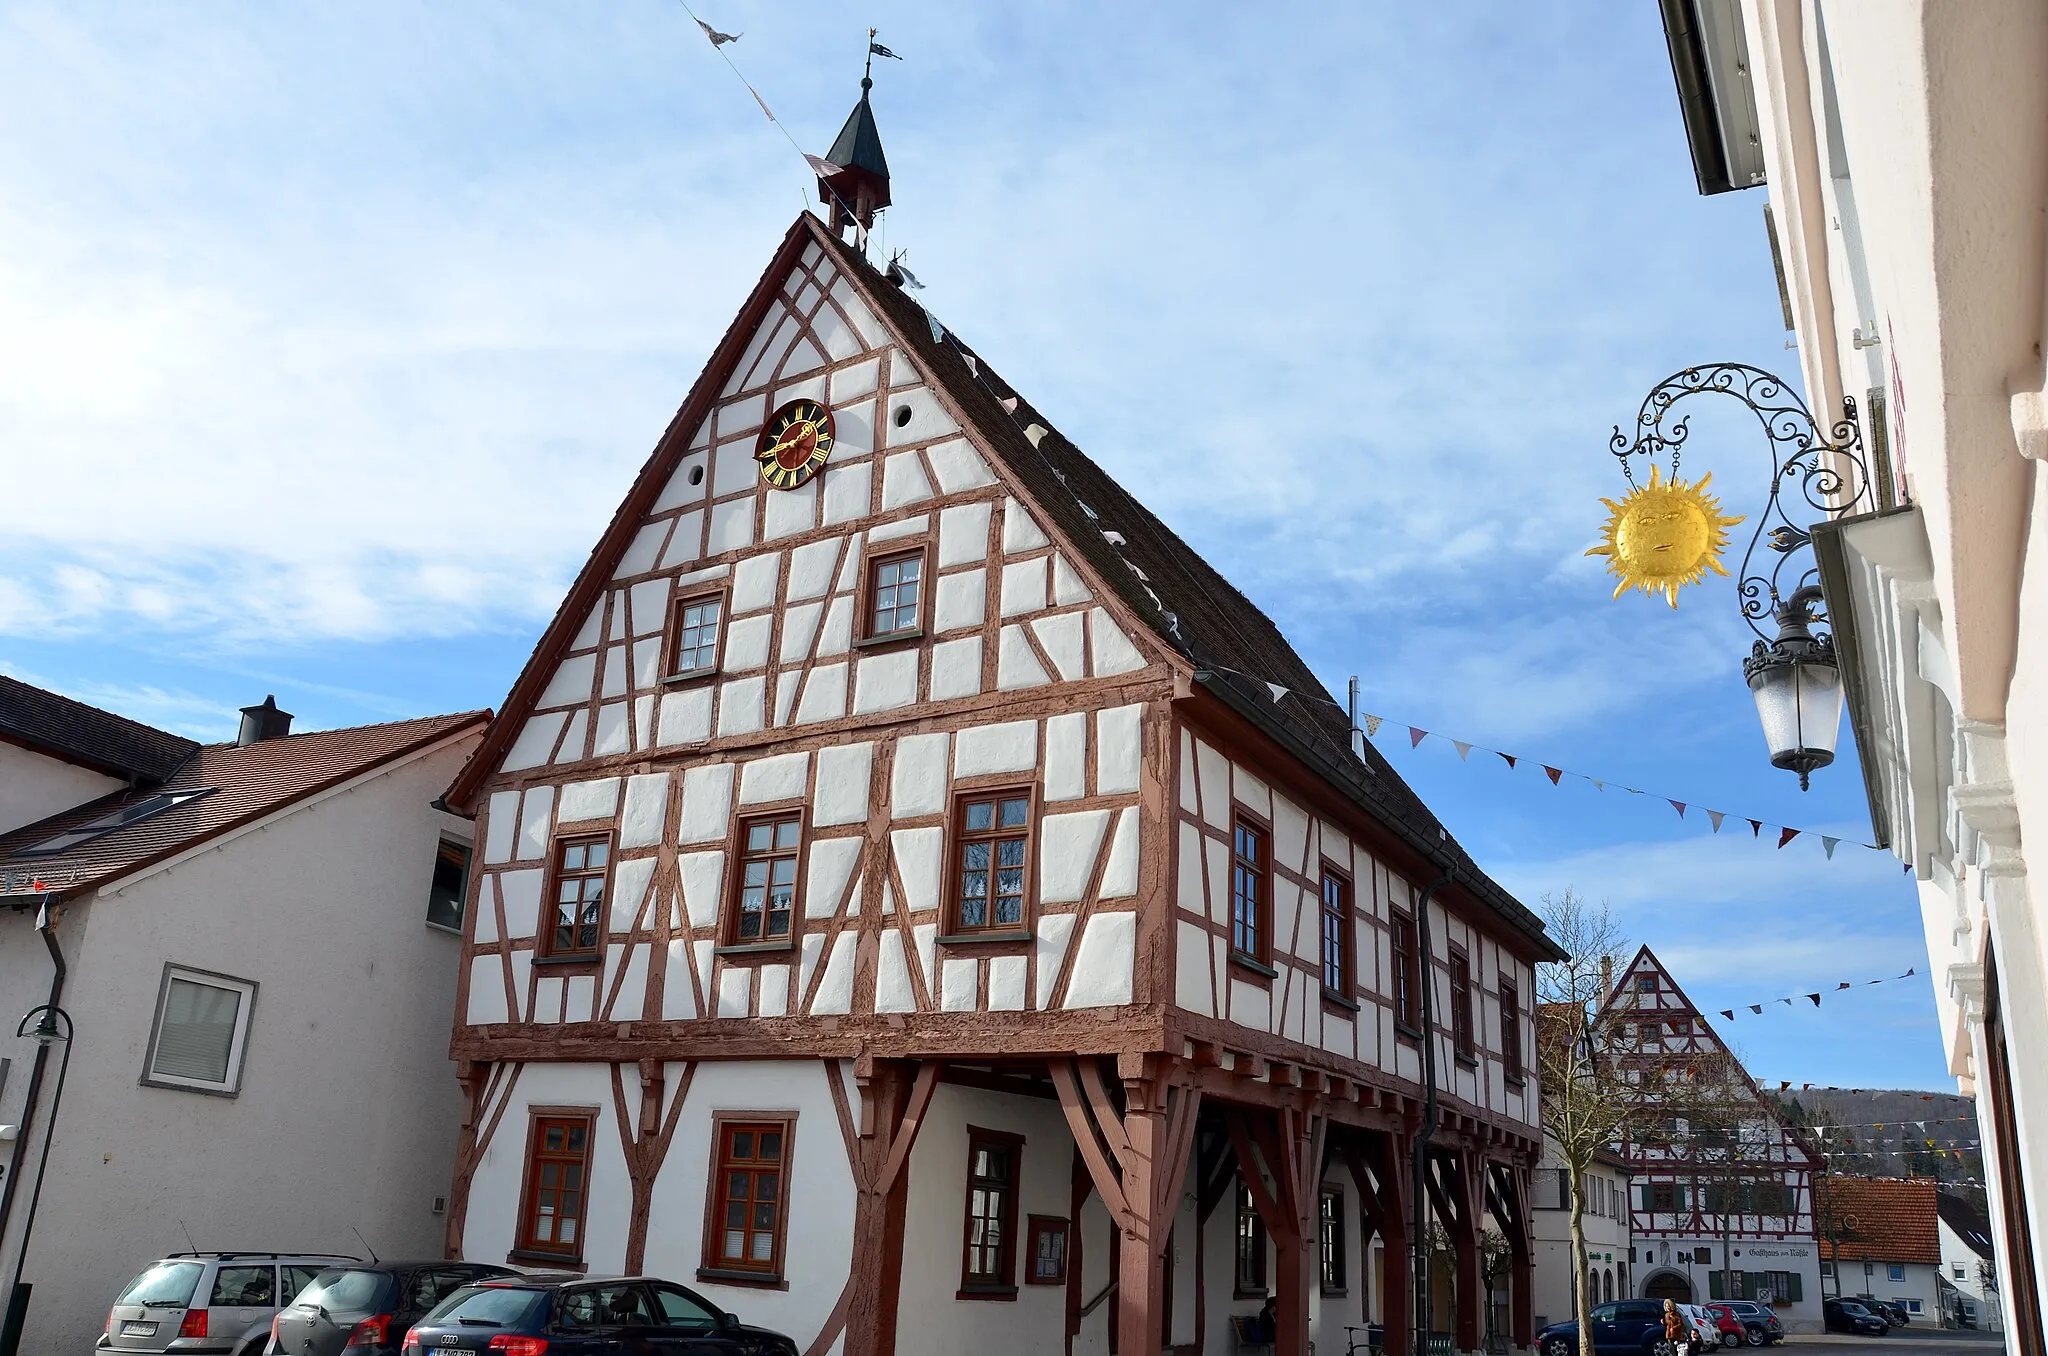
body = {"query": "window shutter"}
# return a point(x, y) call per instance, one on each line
point(1714, 1284)
point(197, 1033)
point(1792, 1287)
point(1649, 1201)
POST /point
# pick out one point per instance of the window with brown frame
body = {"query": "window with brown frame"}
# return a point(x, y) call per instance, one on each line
point(1336, 915)
point(895, 594)
point(988, 1263)
point(582, 864)
point(749, 1217)
point(695, 631)
point(764, 885)
point(1251, 1247)
point(1330, 1239)
point(557, 1186)
point(1047, 1240)
point(992, 853)
point(1510, 1031)
point(1461, 1005)
point(1250, 891)
point(1407, 995)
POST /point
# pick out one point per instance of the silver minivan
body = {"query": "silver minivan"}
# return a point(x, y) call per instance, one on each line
point(209, 1303)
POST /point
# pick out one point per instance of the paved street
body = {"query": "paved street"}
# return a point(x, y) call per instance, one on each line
point(1922, 1341)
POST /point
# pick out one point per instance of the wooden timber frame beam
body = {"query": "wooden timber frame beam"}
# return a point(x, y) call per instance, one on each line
point(1508, 1199)
point(894, 1098)
point(1137, 1156)
point(1280, 1160)
point(1378, 1164)
point(1454, 1181)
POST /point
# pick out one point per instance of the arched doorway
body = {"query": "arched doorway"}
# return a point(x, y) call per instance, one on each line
point(1668, 1285)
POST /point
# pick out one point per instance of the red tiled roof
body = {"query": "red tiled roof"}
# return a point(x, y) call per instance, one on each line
point(1877, 1219)
point(249, 782)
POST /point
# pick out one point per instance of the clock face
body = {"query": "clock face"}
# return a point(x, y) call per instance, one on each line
point(795, 444)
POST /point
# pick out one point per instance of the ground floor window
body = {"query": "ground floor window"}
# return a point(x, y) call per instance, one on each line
point(1251, 1247)
point(557, 1185)
point(987, 1266)
point(1330, 1239)
point(749, 1211)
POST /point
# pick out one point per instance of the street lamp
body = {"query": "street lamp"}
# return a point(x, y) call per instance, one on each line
point(1792, 675)
point(52, 1027)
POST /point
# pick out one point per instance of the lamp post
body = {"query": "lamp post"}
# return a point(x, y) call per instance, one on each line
point(52, 1027)
point(1792, 674)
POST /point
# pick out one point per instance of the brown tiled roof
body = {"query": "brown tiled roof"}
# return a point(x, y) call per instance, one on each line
point(77, 733)
point(248, 781)
point(1878, 1219)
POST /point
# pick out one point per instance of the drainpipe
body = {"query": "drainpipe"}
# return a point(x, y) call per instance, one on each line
point(46, 926)
point(1418, 1155)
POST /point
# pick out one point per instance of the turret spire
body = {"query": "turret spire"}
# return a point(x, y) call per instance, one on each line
point(854, 181)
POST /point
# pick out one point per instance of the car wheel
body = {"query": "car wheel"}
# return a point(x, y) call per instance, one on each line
point(1557, 1346)
point(1729, 1339)
point(1756, 1337)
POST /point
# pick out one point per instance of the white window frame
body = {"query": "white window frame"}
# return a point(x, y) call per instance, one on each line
point(237, 1046)
point(1895, 1272)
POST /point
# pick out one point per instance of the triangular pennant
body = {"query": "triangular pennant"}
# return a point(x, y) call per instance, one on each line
point(972, 364)
point(1814, 998)
point(1552, 773)
point(1908, 867)
point(1598, 785)
point(1373, 723)
point(1756, 828)
point(1758, 1008)
point(1786, 835)
point(758, 99)
point(1843, 985)
point(1717, 816)
point(939, 333)
point(1679, 806)
point(1277, 690)
point(1009, 404)
point(1416, 735)
point(1729, 1013)
point(1786, 1001)
point(1508, 758)
point(1907, 975)
point(1783, 1084)
point(1464, 749)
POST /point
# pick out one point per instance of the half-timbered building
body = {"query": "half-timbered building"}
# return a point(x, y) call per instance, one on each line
point(922, 904)
point(1722, 1203)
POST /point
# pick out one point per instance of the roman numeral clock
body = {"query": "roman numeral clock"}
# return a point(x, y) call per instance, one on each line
point(795, 444)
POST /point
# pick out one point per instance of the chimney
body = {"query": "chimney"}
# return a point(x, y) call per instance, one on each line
point(1606, 966)
point(264, 722)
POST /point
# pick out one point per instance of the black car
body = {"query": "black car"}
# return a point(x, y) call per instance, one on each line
point(1894, 1314)
point(579, 1316)
point(365, 1307)
point(1849, 1315)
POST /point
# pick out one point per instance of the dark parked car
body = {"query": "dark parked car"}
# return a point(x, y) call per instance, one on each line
point(1629, 1326)
point(1760, 1325)
point(1894, 1314)
point(1849, 1315)
point(622, 1316)
point(366, 1307)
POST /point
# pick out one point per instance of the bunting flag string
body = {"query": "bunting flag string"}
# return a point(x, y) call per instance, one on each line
point(1814, 998)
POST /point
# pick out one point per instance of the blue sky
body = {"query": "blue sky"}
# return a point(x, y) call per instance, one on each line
point(333, 334)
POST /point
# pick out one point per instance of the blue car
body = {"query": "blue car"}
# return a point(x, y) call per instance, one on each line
point(582, 1316)
point(1625, 1328)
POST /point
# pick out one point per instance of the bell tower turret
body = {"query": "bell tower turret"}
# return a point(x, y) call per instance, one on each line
point(854, 181)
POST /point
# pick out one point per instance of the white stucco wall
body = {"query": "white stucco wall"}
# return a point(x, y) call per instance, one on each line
point(33, 787)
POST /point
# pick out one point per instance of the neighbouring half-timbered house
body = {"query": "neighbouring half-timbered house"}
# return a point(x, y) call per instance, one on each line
point(1723, 1208)
point(906, 912)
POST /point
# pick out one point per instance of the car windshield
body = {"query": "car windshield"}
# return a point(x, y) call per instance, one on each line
point(350, 1290)
point(484, 1306)
point(166, 1284)
point(1852, 1307)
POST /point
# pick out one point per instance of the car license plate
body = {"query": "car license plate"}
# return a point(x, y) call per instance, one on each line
point(137, 1328)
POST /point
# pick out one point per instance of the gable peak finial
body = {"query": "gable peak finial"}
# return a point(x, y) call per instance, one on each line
point(853, 177)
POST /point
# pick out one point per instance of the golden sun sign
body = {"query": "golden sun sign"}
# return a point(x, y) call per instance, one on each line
point(1663, 536)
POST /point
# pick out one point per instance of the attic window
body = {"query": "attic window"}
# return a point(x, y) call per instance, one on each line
point(132, 813)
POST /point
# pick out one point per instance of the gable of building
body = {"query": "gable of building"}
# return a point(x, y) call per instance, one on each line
point(1878, 1219)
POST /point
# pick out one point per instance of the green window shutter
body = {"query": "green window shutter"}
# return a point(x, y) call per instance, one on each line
point(1649, 1202)
point(1714, 1285)
point(1792, 1292)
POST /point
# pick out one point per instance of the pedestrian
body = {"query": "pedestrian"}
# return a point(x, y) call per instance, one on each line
point(1677, 1332)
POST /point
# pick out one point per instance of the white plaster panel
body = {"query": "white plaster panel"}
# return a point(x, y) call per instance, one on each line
point(500, 820)
point(748, 412)
point(1189, 800)
point(1192, 987)
point(847, 490)
point(904, 480)
point(641, 552)
point(1009, 747)
point(735, 988)
point(1021, 532)
point(630, 876)
point(630, 1005)
point(857, 313)
point(785, 694)
point(686, 543)
point(884, 682)
point(707, 804)
point(837, 634)
point(1214, 770)
point(547, 999)
point(1060, 637)
point(1250, 1005)
point(733, 469)
point(520, 890)
point(679, 989)
point(1023, 587)
point(1066, 756)
point(811, 949)
point(768, 780)
point(1119, 752)
point(1049, 948)
point(754, 582)
point(732, 526)
point(962, 602)
point(646, 813)
point(927, 419)
point(918, 854)
point(1188, 870)
point(643, 721)
point(958, 467)
point(702, 875)
point(649, 606)
point(1253, 793)
point(956, 668)
point(1103, 961)
point(1291, 842)
point(571, 681)
point(590, 800)
point(1016, 665)
point(824, 694)
point(573, 738)
point(589, 633)
point(616, 629)
point(1217, 853)
point(685, 716)
point(1006, 976)
point(835, 989)
point(853, 431)
point(810, 569)
point(536, 741)
point(902, 527)
point(614, 681)
point(832, 863)
point(804, 356)
point(963, 534)
point(486, 913)
point(486, 990)
point(1068, 846)
point(1110, 649)
point(1120, 872)
point(536, 817)
point(739, 705)
point(842, 794)
point(850, 383)
point(522, 972)
point(647, 662)
point(680, 490)
point(746, 644)
point(919, 782)
point(611, 730)
point(810, 388)
point(849, 569)
point(892, 977)
point(959, 985)
point(774, 995)
point(1067, 588)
